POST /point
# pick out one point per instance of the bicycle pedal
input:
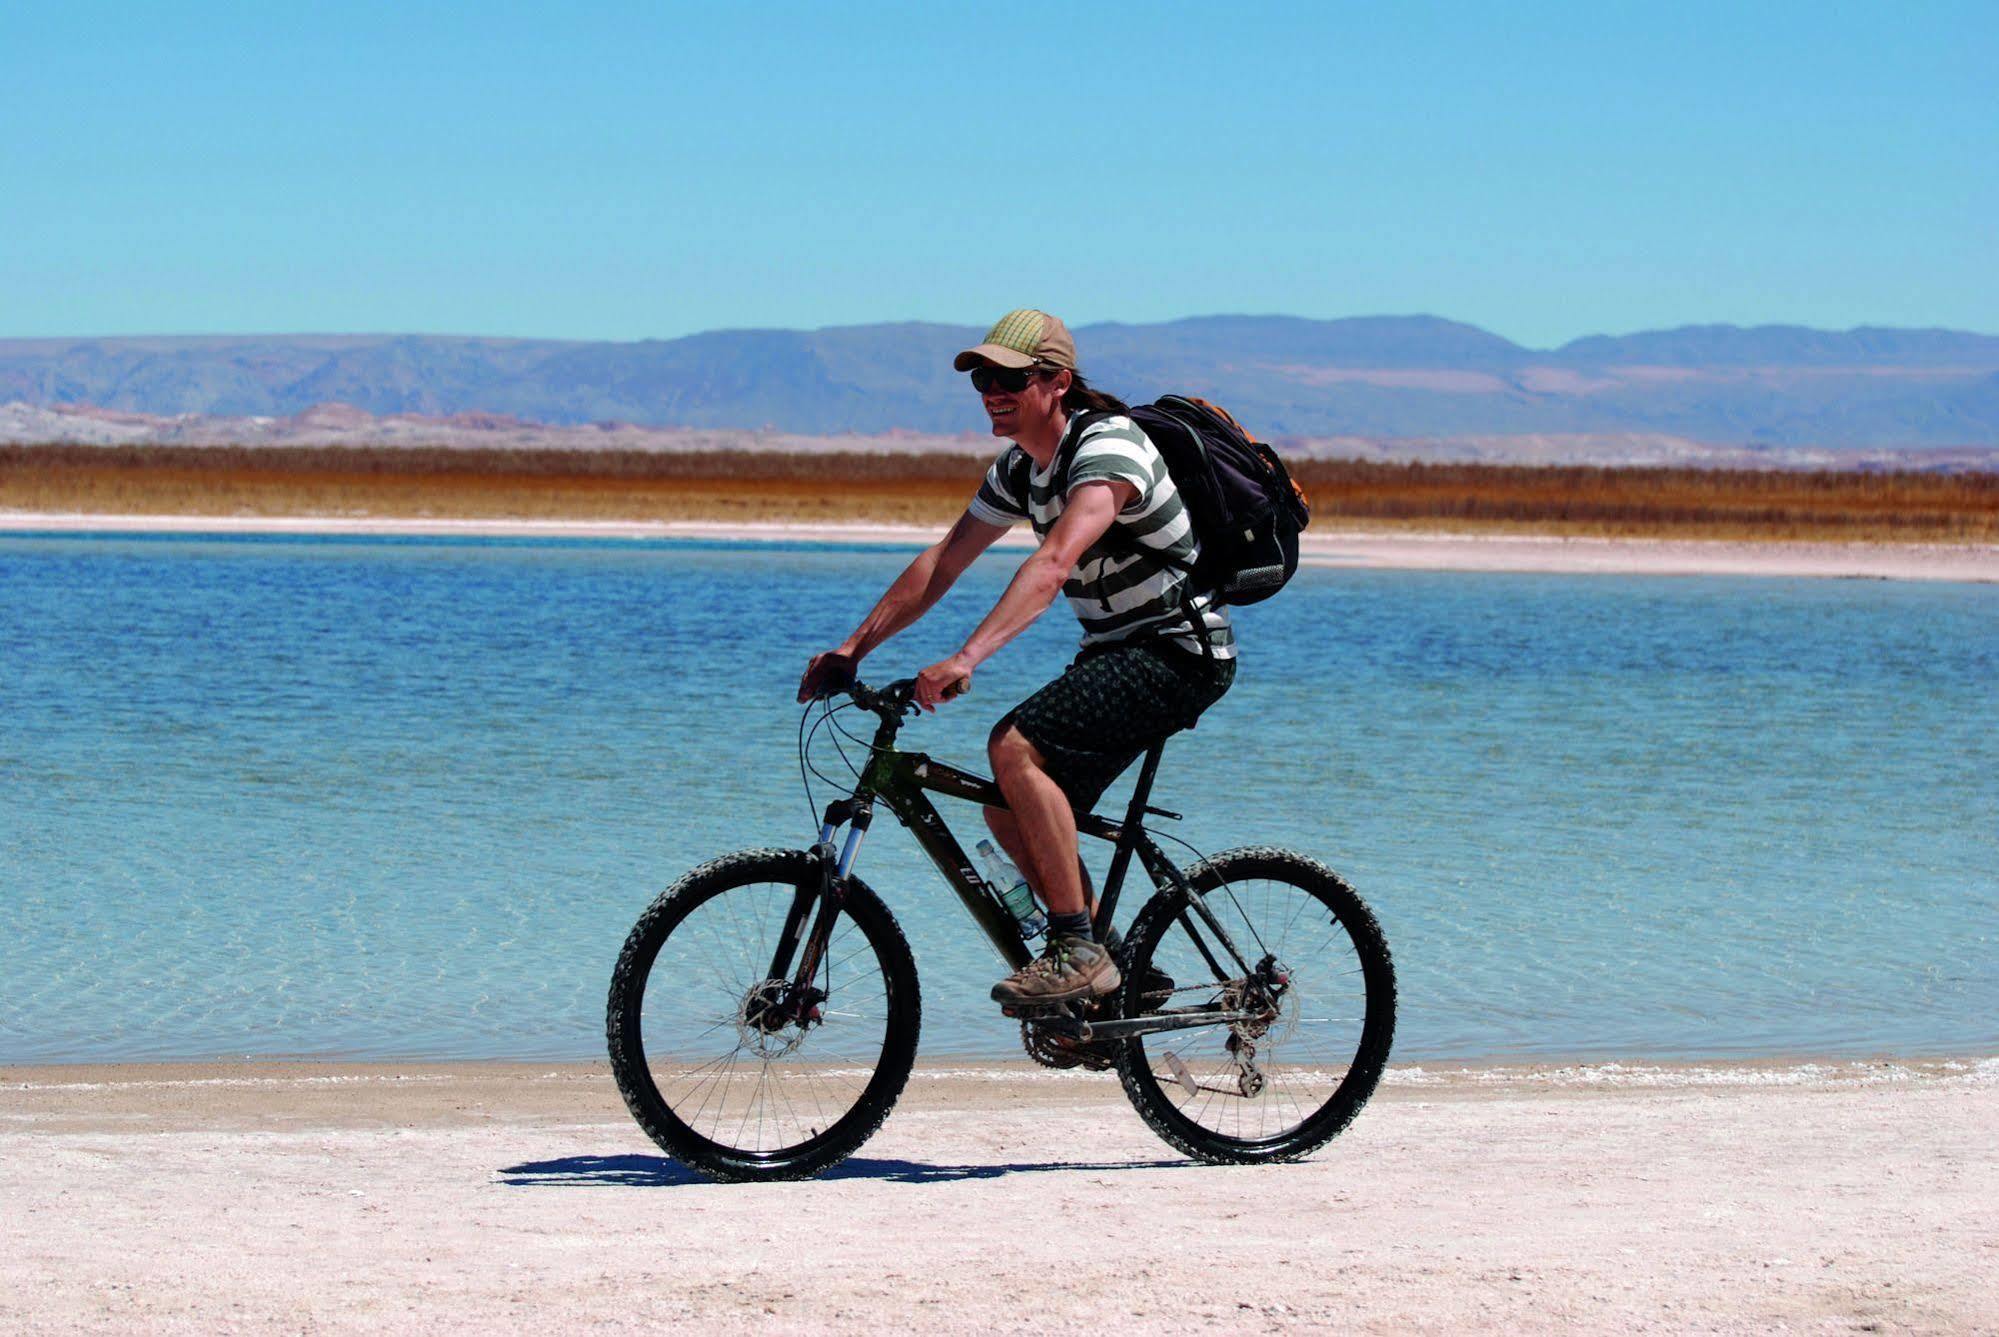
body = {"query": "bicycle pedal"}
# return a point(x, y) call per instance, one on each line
point(1039, 1012)
point(1052, 1050)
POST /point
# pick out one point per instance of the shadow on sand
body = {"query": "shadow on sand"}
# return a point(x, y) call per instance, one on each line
point(659, 1172)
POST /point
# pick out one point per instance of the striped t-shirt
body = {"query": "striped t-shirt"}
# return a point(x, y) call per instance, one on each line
point(1115, 592)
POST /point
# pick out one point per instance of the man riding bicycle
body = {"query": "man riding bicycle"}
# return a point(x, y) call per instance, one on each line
point(1114, 536)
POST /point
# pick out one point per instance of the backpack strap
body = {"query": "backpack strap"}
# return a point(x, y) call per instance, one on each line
point(1019, 467)
point(1116, 538)
point(1022, 466)
point(1082, 423)
point(1023, 463)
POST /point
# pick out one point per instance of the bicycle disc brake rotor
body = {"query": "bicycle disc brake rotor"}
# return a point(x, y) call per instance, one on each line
point(761, 1023)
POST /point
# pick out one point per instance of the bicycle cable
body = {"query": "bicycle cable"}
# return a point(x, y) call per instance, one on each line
point(828, 716)
point(834, 736)
point(1203, 858)
point(1199, 854)
point(804, 775)
point(806, 770)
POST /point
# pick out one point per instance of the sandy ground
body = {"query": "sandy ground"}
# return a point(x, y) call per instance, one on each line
point(308, 1198)
point(1404, 551)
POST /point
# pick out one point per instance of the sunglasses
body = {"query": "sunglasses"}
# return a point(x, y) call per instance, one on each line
point(1007, 380)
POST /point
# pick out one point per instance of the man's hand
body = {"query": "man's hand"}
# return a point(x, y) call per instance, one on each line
point(942, 681)
point(826, 674)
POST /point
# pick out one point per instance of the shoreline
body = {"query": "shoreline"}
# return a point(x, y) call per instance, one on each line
point(1352, 549)
point(61, 1083)
point(523, 1198)
point(1709, 1070)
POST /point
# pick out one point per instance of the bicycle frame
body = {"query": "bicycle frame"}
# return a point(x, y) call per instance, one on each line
point(902, 781)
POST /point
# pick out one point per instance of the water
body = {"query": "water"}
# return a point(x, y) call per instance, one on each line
point(403, 798)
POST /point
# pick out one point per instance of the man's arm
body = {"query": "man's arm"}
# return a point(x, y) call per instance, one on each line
point(922, 583)
point(1089, 510)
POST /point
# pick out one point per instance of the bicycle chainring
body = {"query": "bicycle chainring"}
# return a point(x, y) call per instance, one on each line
point(1061, 1052)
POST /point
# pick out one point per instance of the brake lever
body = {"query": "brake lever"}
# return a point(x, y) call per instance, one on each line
point(906, 690)
point(900, 695)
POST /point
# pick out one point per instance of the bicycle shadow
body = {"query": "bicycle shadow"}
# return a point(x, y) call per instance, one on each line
point(659, 1172)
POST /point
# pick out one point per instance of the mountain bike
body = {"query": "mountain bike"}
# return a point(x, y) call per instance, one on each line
point(763, 1015)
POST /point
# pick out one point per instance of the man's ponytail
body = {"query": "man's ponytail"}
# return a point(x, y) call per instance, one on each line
point(1081, 398)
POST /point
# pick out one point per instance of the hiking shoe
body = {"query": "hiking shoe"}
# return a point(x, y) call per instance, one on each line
point(1067, 969)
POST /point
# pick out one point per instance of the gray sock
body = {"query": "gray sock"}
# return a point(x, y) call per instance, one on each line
point(1071, 926)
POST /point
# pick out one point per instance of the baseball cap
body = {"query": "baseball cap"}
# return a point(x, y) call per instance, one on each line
point(1021, 339)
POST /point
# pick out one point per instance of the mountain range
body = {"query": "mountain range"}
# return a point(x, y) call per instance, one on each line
point(1376, 378)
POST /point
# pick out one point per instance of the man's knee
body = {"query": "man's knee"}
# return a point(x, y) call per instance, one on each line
point(1010, 751)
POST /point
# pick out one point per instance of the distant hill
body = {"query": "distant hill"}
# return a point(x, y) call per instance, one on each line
point(1376, 377)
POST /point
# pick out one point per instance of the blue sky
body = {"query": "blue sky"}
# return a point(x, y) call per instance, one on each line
point(629, 171)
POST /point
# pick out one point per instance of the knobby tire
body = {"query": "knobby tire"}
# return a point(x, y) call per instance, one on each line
point(1353, 970)
point(721, 1153)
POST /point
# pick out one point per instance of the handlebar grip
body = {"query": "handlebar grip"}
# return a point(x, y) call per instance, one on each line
point(958, 688)
point(827, 674)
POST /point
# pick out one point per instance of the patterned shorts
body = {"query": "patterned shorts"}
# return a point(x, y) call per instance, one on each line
point(1109, 706)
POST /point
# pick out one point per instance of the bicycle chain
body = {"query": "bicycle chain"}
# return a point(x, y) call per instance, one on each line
point(1250, 1078)
point(1049, 1051)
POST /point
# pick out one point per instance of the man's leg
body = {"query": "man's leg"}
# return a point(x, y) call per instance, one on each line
point(1043, 833)
point(1039, 833)
point(1007, 832)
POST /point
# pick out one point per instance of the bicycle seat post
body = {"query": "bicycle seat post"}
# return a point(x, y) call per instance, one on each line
point(1134, 816)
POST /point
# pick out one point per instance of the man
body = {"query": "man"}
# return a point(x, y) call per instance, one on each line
point(1114, 536)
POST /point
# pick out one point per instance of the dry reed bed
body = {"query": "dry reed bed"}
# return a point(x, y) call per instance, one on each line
point(640, 485)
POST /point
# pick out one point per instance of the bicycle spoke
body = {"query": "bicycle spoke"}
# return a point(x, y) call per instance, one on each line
point(734, 1079)
point(1260, 1080)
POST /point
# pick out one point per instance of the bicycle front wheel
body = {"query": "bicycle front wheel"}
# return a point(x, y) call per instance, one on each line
point(1312, 970)
point(727, 1070)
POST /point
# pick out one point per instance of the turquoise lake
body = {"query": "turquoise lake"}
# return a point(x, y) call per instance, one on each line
point(403, 798)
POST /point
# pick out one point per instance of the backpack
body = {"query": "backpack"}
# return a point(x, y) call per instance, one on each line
point(1246, 510)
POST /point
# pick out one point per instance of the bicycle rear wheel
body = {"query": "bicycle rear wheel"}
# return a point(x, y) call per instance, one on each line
point(712, 1070)
point(1282, 1085)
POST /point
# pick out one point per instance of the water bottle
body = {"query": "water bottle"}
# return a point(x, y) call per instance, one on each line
point(1015, 893)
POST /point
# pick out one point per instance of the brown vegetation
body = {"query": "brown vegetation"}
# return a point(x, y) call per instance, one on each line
point(932, 488)
point(1685, 503)
point(484, 484)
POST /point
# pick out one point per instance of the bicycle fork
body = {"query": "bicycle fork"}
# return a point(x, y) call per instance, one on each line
point(819, 898)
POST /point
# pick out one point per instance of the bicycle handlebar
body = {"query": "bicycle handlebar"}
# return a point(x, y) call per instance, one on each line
point(894, 701)
point(897, 699)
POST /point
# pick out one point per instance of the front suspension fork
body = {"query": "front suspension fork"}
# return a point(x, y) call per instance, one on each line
point(824, 890)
